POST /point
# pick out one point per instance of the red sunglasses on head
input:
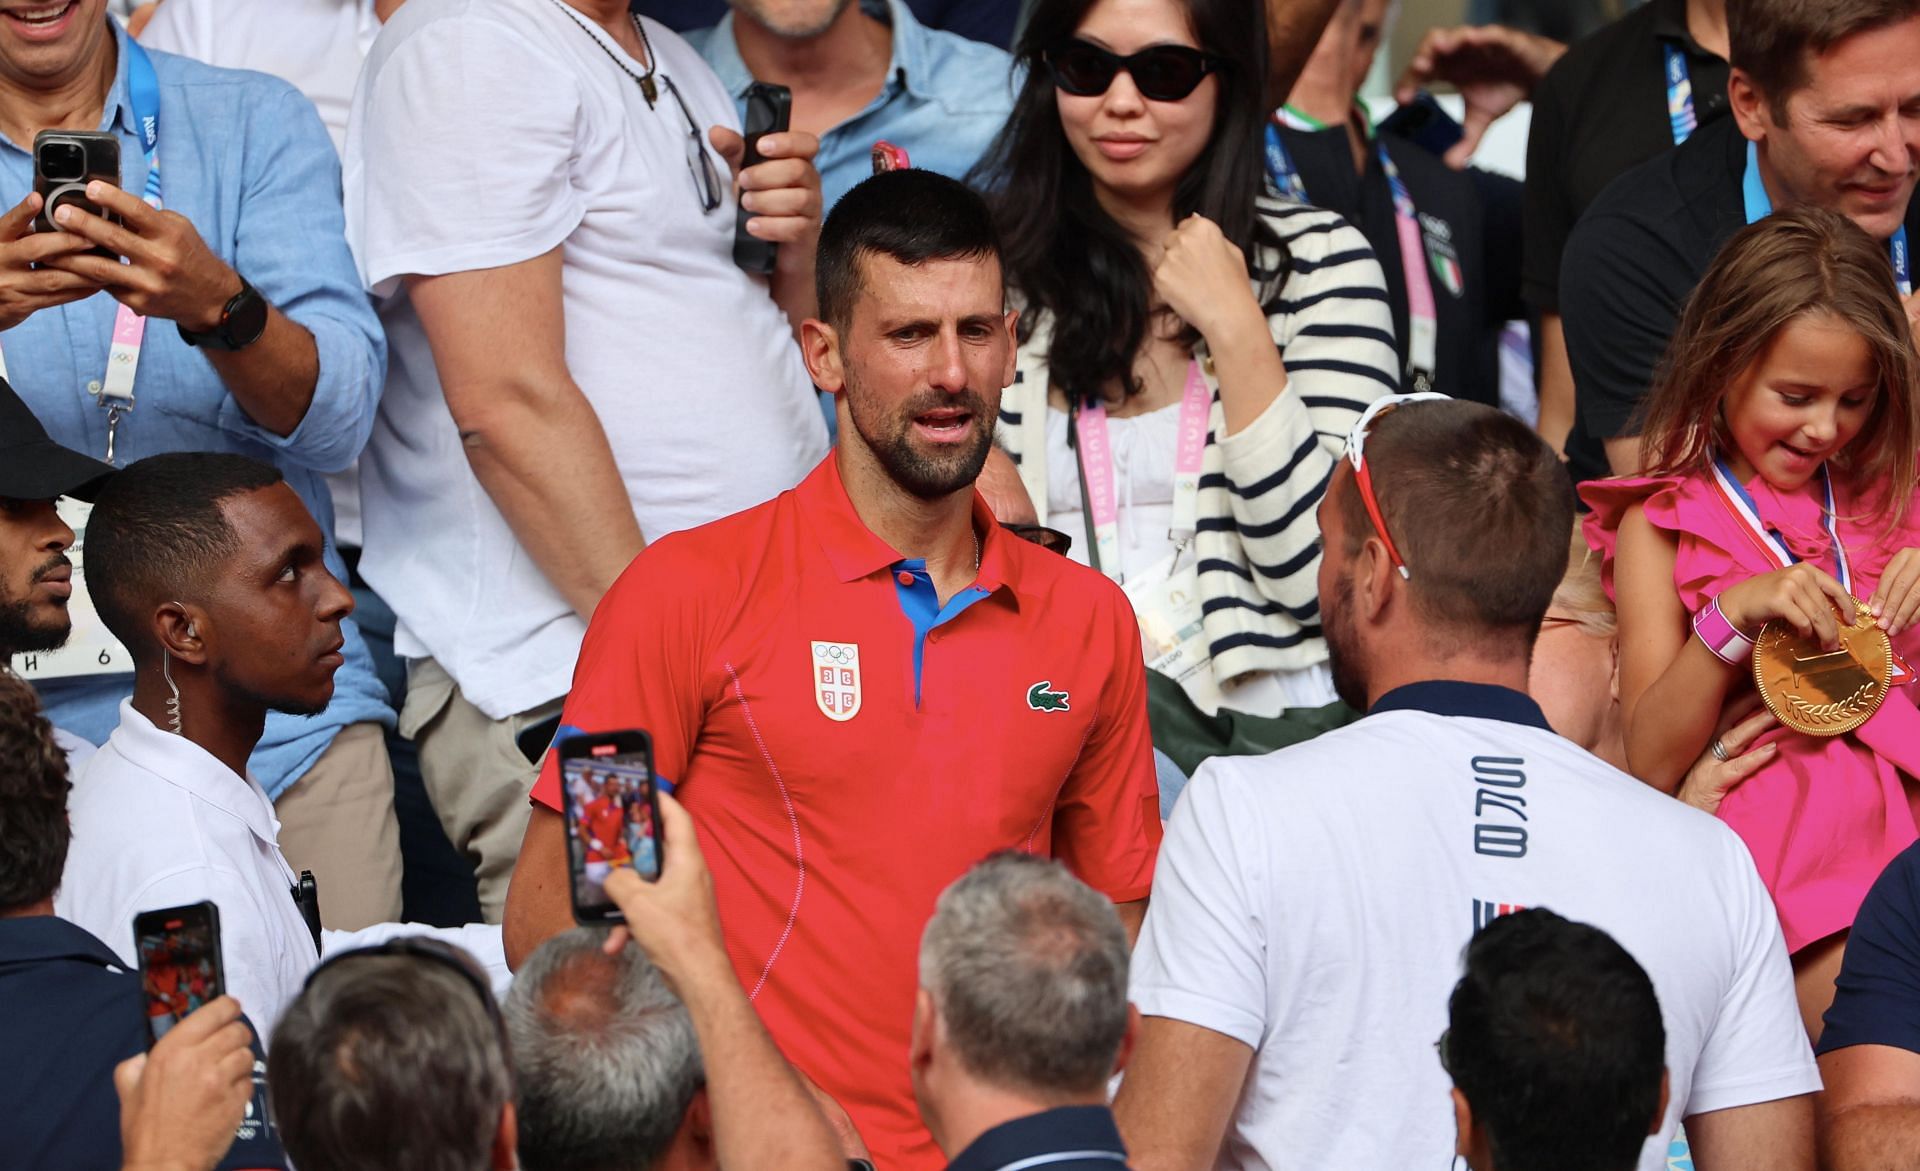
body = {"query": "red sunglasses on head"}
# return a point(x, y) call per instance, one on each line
point(1363, 476)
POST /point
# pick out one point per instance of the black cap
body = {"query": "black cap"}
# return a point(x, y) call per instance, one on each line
point(34, 467)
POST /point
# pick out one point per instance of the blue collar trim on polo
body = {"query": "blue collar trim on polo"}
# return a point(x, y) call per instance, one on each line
point(1450, 697)
point(1070, 1134)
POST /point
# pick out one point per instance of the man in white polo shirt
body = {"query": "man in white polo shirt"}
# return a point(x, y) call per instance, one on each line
point(578, 366)
point(1310, 906)
point(208, 568)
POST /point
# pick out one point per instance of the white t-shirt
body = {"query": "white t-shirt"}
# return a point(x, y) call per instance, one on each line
point(488, 132)
point(1314, 904)
point(78, 751)
point(159, 822)
point(317, 46)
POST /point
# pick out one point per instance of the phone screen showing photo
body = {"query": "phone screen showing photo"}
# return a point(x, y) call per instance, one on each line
point(179, 967)
point(611, 820)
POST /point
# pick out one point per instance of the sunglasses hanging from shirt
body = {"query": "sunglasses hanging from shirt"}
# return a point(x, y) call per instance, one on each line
point(1417, 247)
point(1163, 73)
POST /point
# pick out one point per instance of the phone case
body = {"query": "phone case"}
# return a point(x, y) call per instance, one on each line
point(768, 111)
point(611, 814)
point(180, 965)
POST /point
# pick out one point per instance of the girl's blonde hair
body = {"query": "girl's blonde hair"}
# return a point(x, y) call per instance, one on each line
point(1581, 594)
point(1799, 261)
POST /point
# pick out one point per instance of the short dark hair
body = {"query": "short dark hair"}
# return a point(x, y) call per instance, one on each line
point(912, 216)
point(1555, 1039)
point(33, 800)
point(1479, 507)
point(157, 530)
point(388, 1061)
point(1770, 40)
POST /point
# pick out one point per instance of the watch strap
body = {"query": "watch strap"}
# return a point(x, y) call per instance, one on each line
point(221, 336)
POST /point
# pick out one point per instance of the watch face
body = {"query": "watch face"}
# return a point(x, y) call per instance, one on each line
point(246, 318)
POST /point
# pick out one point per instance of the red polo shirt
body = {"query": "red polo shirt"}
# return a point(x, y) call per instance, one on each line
point(847, 748)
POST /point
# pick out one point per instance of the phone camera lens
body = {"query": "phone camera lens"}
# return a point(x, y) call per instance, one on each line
point(63, 161)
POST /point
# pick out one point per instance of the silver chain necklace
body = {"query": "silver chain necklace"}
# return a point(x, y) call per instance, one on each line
point(648, 89)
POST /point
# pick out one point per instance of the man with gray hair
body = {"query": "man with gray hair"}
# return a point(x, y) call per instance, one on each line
point(608, 1041)
point(1021, 1019)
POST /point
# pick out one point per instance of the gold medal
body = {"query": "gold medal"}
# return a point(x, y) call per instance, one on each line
point(1822, 692)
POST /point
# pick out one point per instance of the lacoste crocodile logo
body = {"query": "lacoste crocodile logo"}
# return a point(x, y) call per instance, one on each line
point(1040, 699)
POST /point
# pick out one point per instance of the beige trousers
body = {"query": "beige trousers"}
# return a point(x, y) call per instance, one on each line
point(475, 773)
point(338, 822)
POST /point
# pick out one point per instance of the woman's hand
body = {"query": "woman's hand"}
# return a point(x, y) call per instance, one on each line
point(1802, 596)
point(1896, 602)
point(1710, 779)
point(1202, 276)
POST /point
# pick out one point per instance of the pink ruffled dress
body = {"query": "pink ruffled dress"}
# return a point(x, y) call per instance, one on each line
point(1827, 814)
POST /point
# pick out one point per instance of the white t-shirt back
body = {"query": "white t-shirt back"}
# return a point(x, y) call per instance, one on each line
point(488, 132)
point(1314, 904)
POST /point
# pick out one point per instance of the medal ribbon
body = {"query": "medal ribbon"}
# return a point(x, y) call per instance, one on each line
point(1759, 206)
point(1734, 493)
point(1097, 472)
point(129, 328)
point(1423, 320)
point(1680, 112)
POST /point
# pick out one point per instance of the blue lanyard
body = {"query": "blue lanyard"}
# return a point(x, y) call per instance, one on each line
point(1759, 205)
point(143, 90)
point(1280, 164)
point(1680, 115)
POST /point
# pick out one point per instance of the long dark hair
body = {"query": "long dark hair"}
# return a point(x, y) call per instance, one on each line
point(1062, 251)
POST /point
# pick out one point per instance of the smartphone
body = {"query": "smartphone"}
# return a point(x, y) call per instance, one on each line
point(180, 970)
point(769, 107)
point(612, 814)
point(64, 162)
point(1424, 123)
point(888, 157)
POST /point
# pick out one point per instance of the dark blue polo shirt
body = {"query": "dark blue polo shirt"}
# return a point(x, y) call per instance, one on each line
point(1069, 1138)
point(71, 1014)
point(1876, 1000)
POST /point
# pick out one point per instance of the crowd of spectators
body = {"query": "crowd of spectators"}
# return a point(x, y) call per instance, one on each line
point(1141, 617)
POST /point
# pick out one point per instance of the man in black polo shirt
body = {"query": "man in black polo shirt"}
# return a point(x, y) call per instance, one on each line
point(1450, 298)
point(1021, 1019)
point(1822, 96)
point(72, 1013)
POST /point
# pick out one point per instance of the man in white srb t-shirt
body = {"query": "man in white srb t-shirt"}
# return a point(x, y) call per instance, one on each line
point(1309, 907)
point(578, 366)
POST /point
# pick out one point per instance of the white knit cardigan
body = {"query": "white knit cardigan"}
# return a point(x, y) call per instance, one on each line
point(1258, 540)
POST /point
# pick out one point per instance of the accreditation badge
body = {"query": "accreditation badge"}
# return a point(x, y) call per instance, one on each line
point(90, 649)
point(1166, 602)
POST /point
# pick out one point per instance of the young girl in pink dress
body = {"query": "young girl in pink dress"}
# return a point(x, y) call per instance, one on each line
point(1779, 448)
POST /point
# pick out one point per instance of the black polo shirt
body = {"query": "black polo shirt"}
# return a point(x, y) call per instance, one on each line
point(1601, 111)
point(71, 1013)
point(1068, 1138)
point(1630, 266)
point(1469, 306)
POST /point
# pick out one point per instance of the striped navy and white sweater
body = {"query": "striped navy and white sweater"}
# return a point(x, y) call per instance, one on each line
point(1258, 540)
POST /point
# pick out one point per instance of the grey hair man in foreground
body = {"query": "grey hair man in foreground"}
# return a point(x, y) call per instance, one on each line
point(650, 1057)
point(1021, 1019)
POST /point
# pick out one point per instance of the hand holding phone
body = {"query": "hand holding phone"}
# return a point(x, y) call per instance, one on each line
point(675, 918)
point(769, 110)
point(182, 1102)
point(180, 968)
point(64, 162)
point(612, 816)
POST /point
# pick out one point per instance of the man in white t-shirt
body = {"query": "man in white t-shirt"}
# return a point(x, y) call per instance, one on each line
point(578, 366)
point(1310, 906)
point(208, 567)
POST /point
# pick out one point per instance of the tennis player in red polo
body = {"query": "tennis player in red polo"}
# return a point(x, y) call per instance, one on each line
point(865, 685)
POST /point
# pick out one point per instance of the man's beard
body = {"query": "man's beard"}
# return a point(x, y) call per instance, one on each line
point(795, 32)
point(1343, 653)
point(18, 632)
point(928, 475)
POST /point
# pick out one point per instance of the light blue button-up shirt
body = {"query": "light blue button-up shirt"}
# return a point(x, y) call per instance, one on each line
point(245, 158)
point(944, 99)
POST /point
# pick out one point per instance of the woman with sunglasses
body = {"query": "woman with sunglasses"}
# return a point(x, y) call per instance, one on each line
point(1193, 351)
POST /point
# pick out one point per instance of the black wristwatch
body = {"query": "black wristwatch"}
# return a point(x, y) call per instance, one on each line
point(859, 1165)
point(242, 322)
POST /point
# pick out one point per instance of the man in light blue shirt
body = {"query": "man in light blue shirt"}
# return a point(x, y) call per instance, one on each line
point(863, 73)
point(257, 339)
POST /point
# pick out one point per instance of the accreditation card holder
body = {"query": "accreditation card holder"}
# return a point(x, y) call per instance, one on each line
point(90, 649)
point(1166, 603)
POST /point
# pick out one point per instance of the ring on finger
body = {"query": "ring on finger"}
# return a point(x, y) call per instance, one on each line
point(1718, 749)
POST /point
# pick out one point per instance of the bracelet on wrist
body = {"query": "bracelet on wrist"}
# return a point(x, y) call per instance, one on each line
point(1717, 634)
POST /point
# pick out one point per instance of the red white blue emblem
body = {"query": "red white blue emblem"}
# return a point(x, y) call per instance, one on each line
point(836, 679)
